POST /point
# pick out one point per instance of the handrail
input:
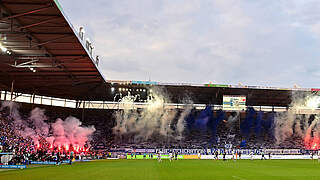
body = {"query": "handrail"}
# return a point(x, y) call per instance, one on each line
point(44, 100)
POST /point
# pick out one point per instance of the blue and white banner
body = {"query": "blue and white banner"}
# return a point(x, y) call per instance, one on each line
point(43, 162)
point(13, 166)
point(3, 153)
point(260, 157)
point(48, 162)
point(220, 151)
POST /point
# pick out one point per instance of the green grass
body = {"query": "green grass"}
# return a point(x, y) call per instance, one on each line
point(181, 169)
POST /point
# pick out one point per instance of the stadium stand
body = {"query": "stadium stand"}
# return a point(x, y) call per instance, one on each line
point(45, 62)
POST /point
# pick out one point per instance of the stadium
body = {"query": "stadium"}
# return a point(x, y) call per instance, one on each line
point(60, 118)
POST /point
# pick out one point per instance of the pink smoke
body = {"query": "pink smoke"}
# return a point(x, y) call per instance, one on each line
point(61, 134)
point(70, 131)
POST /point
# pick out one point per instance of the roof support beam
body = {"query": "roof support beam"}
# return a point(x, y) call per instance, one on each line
point(51, 40)
point(64, 74)
point(34, 33)
point(24, 64)
point(23, 3)
point(53, 72)
point(40, 15)
point(26, 13)
point(38, 23)
point(22, 56)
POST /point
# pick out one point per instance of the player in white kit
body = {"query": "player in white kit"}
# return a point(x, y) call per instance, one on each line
point(251, 155)
point(233, 154)
point(159, 157)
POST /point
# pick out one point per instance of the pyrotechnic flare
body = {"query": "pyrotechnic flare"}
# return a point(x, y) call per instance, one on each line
point(289, 123)
point(62, 133)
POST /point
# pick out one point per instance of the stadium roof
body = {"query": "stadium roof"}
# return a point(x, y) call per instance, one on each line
point(41, 52)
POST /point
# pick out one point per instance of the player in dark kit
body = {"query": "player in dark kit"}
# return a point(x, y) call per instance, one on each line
point(71, 157)
point(216, 155)
point(262, 156)
point(224, 155)
point(58, 157)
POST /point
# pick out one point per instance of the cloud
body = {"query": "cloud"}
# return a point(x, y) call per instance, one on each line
point(266, 42)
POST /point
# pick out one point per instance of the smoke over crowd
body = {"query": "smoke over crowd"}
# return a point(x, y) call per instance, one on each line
point(153, 120)
point(297, 123)
point(68, 134)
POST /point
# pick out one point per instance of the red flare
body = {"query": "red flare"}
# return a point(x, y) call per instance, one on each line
point(76, 148)
point(311, 143)
point(66, 147)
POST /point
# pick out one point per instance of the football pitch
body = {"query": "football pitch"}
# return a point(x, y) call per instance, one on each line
point(181, 169)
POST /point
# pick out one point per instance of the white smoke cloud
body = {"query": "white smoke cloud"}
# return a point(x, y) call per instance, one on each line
point(153, 120)
point(292, 124)
point(181, 121)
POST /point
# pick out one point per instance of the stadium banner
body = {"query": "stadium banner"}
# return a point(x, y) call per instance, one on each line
point(217, 85)
point(138, 156)
point(293, 157)
point(150, 157)
point(234, 103)
point(260, 157)
point(13, 166)
point(212, 151)
point(228, 156)
point(145, 82)
point(192, 151)
point(4, 153)
point(207, 157)
point(283, 151)
point(48, 162)
point(140, 150)
point(128, 150)
point(190, 157)
point(167, 151)
point(119, 82)
point(43, 162)
point(183, 151)
point(213, 157)
point(180, 157)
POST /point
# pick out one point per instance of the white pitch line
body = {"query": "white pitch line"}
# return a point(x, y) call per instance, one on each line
point(236, 177)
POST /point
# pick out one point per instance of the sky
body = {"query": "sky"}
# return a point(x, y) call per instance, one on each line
point(265, 42)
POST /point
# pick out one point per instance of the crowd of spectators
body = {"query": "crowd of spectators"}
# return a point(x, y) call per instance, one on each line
point(17, 149)
point(226, 135)
point(24, 150)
